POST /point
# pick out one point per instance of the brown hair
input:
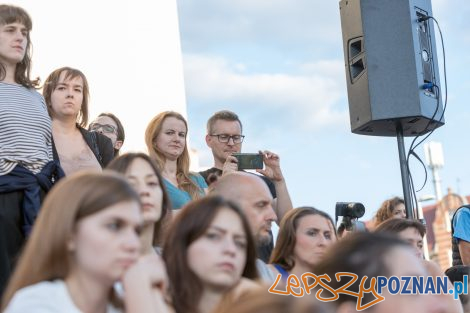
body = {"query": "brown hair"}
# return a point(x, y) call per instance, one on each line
point(283, 253)
point(224, 115)
point(51, 84)
point(12, 14)
point(182, 164)
point(46, 256)
point(121, 165)
point(397, 225)
point(189, 225)
point(386, 209)
point(364, 254)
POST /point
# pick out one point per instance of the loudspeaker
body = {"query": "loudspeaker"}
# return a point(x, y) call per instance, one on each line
point(391, 66)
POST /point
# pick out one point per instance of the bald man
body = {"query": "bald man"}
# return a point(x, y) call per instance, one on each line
point(251, 193)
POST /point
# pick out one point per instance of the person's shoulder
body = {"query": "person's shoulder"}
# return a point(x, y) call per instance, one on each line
point(44, 287)
point(465, 209)
point(209, 171)
point(17, 89)
point(245, 286)
point(45, 296)
point(462, 213)
point(36, 94)
point(432, 268)
point(265, 271)
point(198, 179)
point(211, 175)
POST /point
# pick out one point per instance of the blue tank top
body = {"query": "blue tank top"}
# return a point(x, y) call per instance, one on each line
point(283, 272)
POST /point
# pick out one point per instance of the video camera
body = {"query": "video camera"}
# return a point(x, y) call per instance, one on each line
point(351, 212)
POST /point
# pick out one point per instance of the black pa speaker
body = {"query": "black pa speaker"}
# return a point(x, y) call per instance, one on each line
point(391, 66)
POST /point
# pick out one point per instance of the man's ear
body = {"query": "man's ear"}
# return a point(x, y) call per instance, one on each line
point(208, 140)
point(118, 144)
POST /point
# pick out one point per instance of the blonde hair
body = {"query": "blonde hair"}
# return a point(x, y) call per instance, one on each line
point(182, 164)
point(46, 256)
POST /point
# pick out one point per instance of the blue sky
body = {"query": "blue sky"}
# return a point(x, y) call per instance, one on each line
point(279, 65)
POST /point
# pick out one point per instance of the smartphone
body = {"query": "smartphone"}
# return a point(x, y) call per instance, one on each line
point(249, 161)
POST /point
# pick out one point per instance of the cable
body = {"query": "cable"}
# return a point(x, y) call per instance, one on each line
point(413, 146)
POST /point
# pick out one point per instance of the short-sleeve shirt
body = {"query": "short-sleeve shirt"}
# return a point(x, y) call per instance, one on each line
point(264, 272)
point(461, 224)
point(46, 297)
point(178, 197)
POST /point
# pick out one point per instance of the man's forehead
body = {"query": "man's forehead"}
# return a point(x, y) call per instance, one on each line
point(226, 126)
point(258, 191)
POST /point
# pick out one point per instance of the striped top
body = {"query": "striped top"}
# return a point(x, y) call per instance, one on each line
point(25, 129)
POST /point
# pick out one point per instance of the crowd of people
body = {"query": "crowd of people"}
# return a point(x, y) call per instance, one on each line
point(85, 228)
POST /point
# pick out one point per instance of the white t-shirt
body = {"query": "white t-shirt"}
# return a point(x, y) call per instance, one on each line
point(45, 297)
point(266, 274)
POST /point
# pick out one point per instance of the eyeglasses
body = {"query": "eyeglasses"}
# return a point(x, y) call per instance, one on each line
point(224, 138)
point(109, 129)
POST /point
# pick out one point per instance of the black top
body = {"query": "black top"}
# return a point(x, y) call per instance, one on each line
point(100, 145)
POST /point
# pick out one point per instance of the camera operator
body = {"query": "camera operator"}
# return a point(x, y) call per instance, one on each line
point(224, 137)
point(351, 212)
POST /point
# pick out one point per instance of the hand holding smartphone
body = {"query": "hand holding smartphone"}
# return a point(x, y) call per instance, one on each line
point(249, 161)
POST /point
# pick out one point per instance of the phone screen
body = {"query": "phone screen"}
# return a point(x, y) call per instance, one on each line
point(248, 161)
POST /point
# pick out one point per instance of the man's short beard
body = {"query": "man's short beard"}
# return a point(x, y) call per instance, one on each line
point(263, 239)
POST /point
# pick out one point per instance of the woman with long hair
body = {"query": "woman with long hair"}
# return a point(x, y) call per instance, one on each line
point(165, 138)
point(143, 174)
point(85, 240)
point(210, 255)
point(304, 236)
point(66, 93)
point(390, 208)
point(27, 169)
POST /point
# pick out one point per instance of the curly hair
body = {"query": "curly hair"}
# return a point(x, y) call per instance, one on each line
point(385, 211)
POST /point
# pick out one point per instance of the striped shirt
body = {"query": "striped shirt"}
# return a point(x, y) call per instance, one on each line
point(25, 129)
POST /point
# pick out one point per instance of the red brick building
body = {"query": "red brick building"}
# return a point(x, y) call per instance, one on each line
point(438, 224)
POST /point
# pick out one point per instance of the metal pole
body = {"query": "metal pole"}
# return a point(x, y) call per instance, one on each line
point(437, 183)
point(404, 172)
point(425, 237)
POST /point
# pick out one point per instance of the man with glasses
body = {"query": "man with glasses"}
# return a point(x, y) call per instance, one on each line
point(224, 137)
point(110, 126)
